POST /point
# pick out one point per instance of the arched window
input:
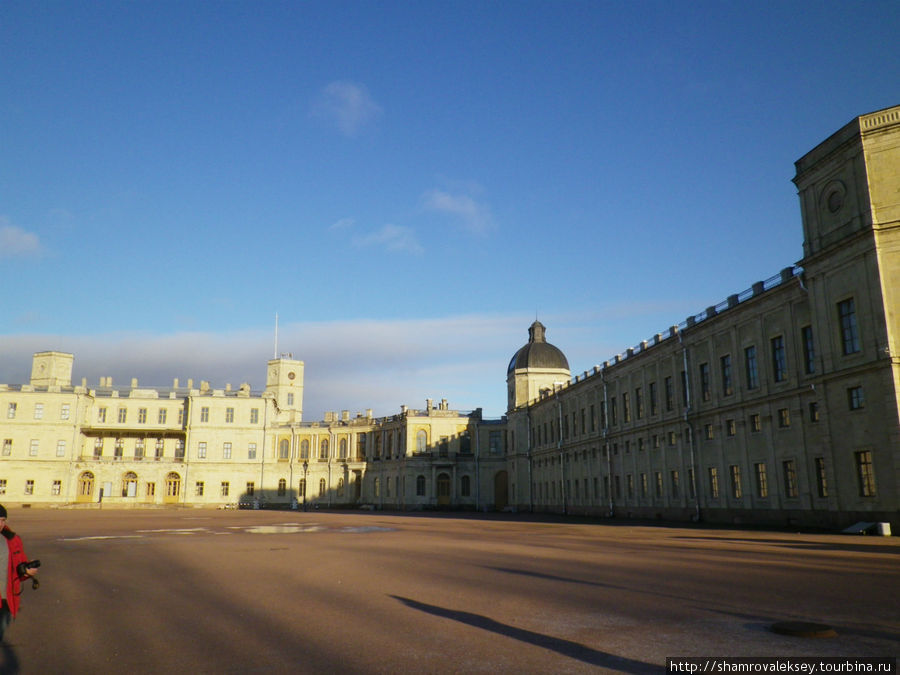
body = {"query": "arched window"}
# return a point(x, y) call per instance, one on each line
point(282, 487)
point(284, 449)
point(343, 449)
point(465, 486)
point(421, 440)
point(321, 487)
point(303, 487)
point(389, 449)
point(85, 486)
point(420, 486)
point(340, 487)
point(377, 487)
point(304, 449)
point(173, 485)
point(323, 449)
point(129, 484)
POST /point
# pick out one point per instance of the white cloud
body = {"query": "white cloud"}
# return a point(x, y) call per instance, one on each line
point(347, 105)
point(342, 224)
point(349, 365)
point(16, 242)
point(392, 238)
point(474, 216)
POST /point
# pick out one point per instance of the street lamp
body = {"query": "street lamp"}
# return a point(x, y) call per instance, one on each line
point(305, 469)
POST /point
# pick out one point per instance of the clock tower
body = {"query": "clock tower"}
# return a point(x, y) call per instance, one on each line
point(284, 383)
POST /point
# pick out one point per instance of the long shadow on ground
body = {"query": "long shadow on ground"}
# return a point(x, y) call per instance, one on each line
point(567, 648)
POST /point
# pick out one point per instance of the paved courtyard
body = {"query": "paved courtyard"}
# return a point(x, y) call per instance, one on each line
point(198, 591)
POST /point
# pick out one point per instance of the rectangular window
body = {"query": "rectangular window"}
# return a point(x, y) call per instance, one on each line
point(179, 450)
point(198, 488)
point(630, 485)
point(229, 415)
point(813, 411)
point(251, 489)
point(7, 447)
point(750, 367)
point(730, 428)
point(142, 415)
point(809, 350)
point(119, 449)
point(626, 408)
point(60, 448)
point(638, 403)
point(181, 417)
point(727, 382)
point(151, 489)
point(644, 485)
point(705, 392)
point(56, 488)
point(123, 415)
point(11, 411)
point(855, 398)
point(593, 419)
point(161, 416)
point(779, 359)
point(101, 415)
point(654, 399)
point(29, 487)
point(204, 414)
point(849, 330)
point(2, 486)
point(139, 450)
point(865, 472)
point(251, 451)
point(821, 478)
point(33, 448)
point(226, 450)
point(674, 481)
point(613, 413)
point(735, 481)
point(670, 394)
point(38, 411)
point(713, 482)
point(65, 411)
point(673, 438)
point(784, 417)
point(755, 423)
point(708, 432)
point(201, 450)
point(98, 448)
point(254, 415)
point(226, 487)
point(659, 485)
point(160, 448)
point(684, 389)
point(790, 478)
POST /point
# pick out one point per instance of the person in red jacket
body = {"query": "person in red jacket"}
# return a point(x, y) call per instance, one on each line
point(11, 556)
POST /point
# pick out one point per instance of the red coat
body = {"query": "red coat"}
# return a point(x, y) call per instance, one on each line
point(13, 583)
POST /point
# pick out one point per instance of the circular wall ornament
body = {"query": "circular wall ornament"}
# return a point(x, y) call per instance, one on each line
point(291, 375)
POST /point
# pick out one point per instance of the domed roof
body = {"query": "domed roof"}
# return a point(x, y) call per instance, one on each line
point(538, 353)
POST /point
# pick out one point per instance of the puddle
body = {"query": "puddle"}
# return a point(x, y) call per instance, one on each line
point(283, 529)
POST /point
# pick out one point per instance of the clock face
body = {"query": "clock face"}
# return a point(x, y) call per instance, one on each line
point(291, 375)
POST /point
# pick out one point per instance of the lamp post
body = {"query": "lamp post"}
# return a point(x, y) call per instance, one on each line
point(305, 469)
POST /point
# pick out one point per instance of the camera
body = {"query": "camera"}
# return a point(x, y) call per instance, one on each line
point(22, 571)
point(23, 567)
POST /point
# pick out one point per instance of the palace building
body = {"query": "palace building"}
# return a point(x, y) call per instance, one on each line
point(778, 405)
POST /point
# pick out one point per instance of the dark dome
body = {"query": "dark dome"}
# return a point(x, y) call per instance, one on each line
point(538, 353)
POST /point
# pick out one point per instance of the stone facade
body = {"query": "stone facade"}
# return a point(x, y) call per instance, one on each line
point(778, 405)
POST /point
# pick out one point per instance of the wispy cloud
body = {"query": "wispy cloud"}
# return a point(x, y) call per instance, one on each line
point(342, 224)
point(347, 105)
point(392, 238)
point(16, 242)
point(349, 365)
point(474, 216)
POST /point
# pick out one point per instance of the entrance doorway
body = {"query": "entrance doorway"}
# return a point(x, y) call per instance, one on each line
point(501, 490)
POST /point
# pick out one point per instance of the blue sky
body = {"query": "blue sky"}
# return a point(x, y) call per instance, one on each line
point(407, 184)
